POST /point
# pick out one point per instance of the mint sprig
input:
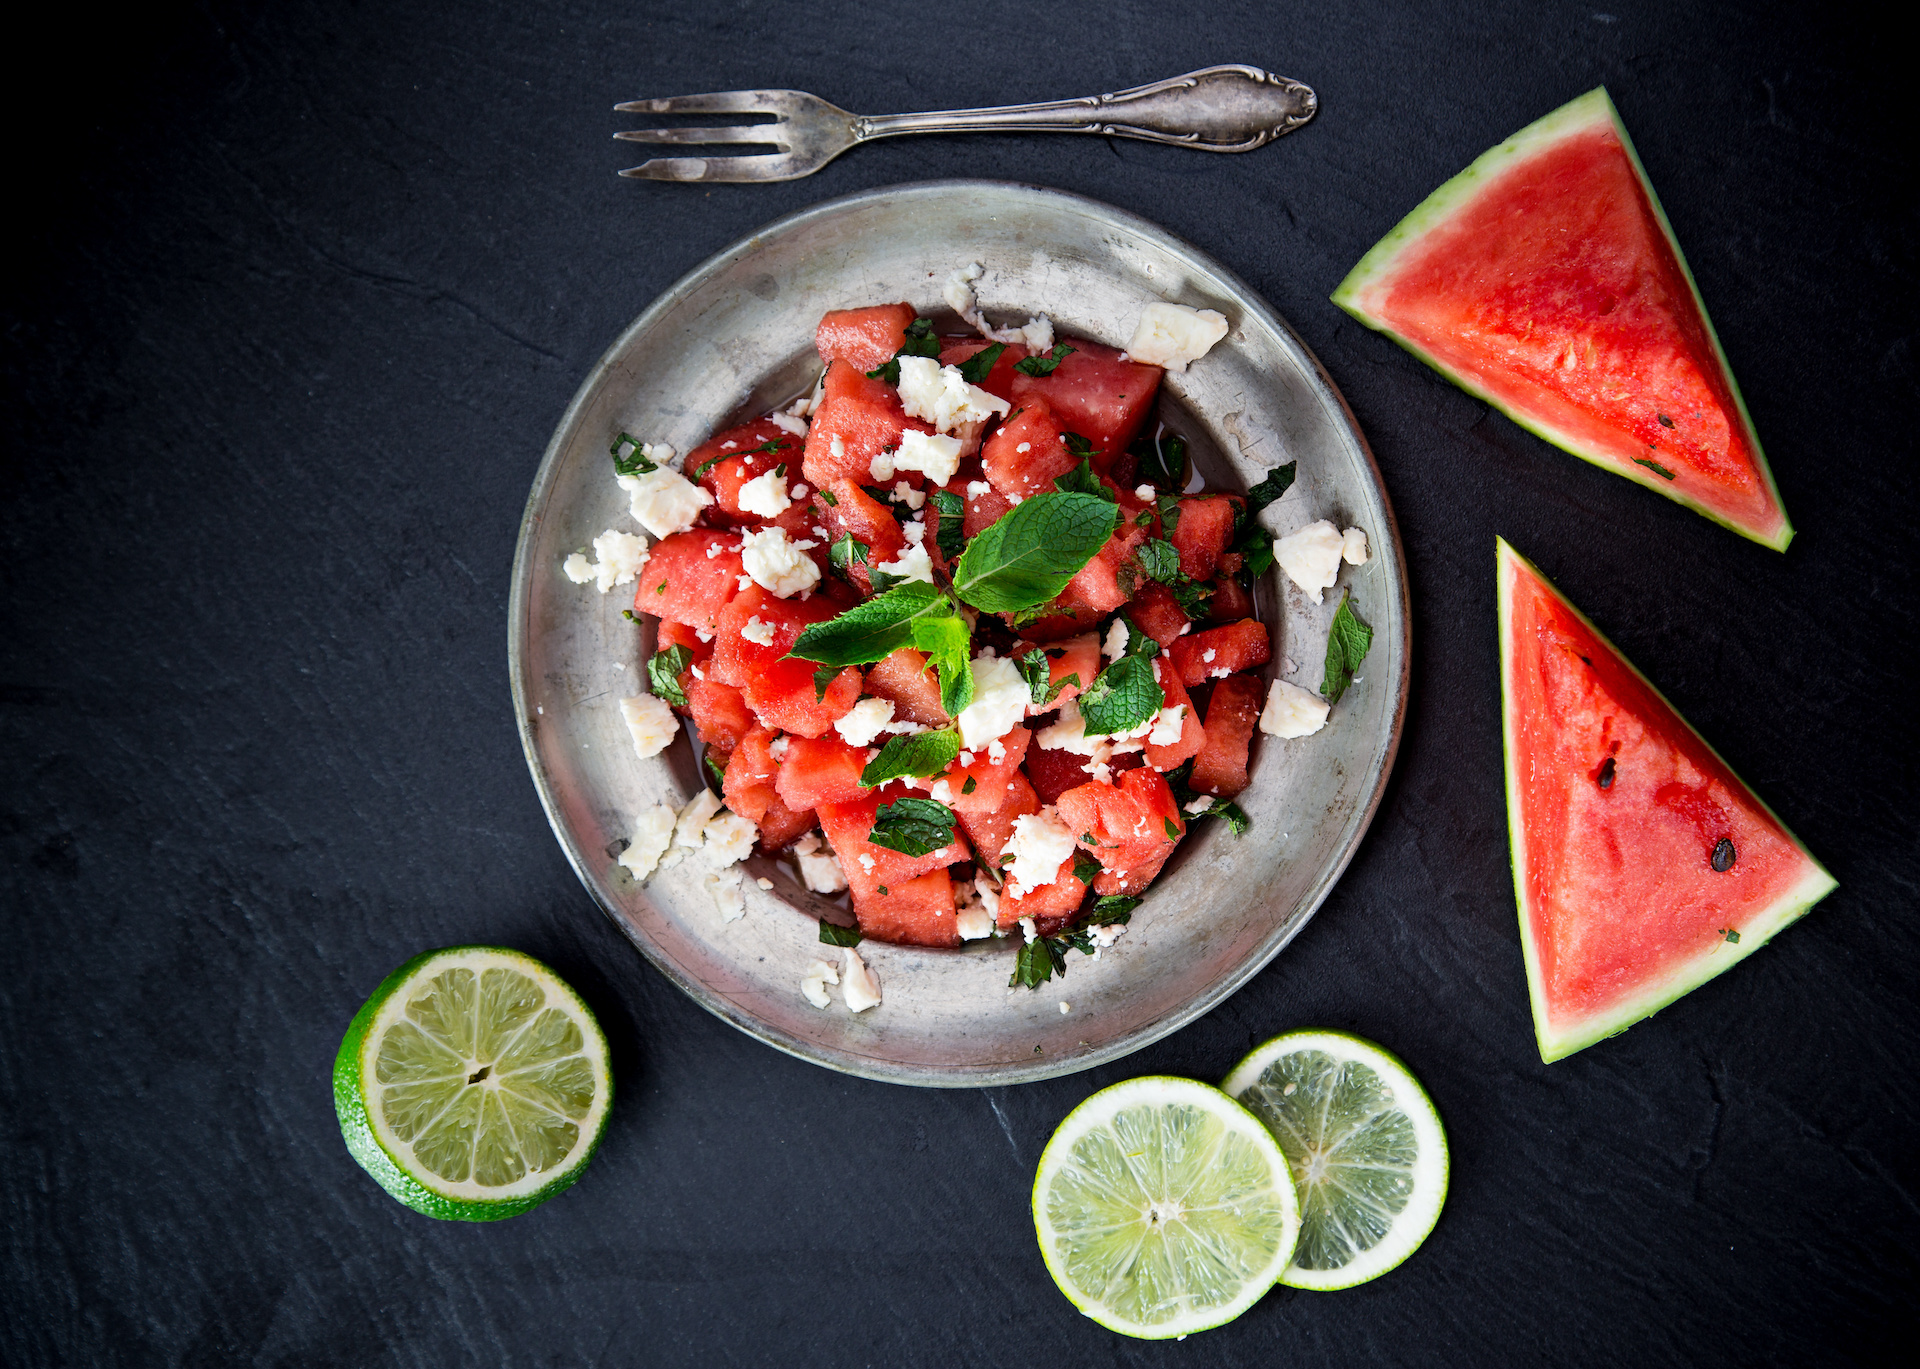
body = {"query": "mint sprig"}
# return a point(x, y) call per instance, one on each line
point(913, 827)
point(1347, 643)
point(872, 630)
point(1121, 697)
point(917, 753)
point(1026, 558)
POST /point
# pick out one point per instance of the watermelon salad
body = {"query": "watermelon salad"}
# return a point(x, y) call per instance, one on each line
point(960, 633)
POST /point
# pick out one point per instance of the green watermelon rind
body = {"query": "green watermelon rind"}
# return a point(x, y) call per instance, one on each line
point(1794, 903)
point(1378, 264)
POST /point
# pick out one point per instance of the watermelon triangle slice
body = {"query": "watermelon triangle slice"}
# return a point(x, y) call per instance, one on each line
point(1546, 280)
point(1642, 865)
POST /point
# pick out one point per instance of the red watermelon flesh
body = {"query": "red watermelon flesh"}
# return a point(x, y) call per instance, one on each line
point(748, 782)
point(684, 584)
point(1096, 393)
point(719, 712)
point(729, 459)
point(1545, 279)
point(858, 418)
point(906, 681)
point(990, 831)
point(1642, 865)
point(780, 826)
point(865, 339)
point(918, 912)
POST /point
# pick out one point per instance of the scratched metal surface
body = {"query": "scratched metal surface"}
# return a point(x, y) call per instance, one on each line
point(300, 293)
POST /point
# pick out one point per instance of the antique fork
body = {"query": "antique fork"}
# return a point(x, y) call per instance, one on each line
point(1220, 109)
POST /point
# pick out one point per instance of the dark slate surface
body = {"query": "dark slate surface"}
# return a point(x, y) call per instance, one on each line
point(299, 291)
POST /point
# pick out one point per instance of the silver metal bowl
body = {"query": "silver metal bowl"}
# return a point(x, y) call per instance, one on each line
point(735, 337)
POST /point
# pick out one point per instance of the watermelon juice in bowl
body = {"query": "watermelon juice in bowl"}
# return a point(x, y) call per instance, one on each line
point(969, 627)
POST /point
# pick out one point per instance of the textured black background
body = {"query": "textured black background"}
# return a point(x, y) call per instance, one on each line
point(299, 291)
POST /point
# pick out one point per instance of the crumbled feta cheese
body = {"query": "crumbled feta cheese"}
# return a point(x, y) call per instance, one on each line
point(729, 839)
point(620, 557)
point(664, 501)
point(778, 747)
point(1116, 644)
point(866, 862)
point(1292, 712)
point(941, 792)
point(1353, 547)
point(940, 395)
point(1171, 335)
point(935, 456)
point(652, 834)
point(744, 581)
point(690, 827)
point(1024, 447)
point(1104, 937)
point(1070, 734)
point(836, 448)
point(974, 918)
point(995, 751)
point(861, 988)
point(723, 886)
point(1199, 805)
point(729, 445)
point(903, 493)
point(976, 488)
point(864, 721)
point(764, 882)
point(1027, 928)
point(797, 493)
point(814, 983)
point(1207, 656)
point(777, 565)
point(1000, 699)
point(988, 893)
point(790, 421)
point(766, 494)
point(1036, 335)
point(1167, 726)
point(1039, 844)
point(1146, 492)
point(757, 632)
point(651, 724)
point(1065, 1007)
point(819, 868)
point(1311, 556)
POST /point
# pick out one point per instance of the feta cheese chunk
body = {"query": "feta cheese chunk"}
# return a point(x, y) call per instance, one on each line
point(1035, 336)
point(814, 983)
point(651, 724)
point(1039, 844)
point(819, 868)
point(1311, 556)
point(940, 395)
point(690, 827)
point(864, 721)
point(1353, 547)
point(1000, 699)
point(663, 501)
point(1199, 804)
point(729, 840)
point(790, 420)
point(766, 494)
point(861, 988)
point(1172, 335)
point(1292, 712)
point(757, 632)
point(777, 565)
point(652, 834)
point(723, 887)
point(982, 906)
point(913, 563)
point(1104, 937)
point(1065, 1007)
point(1168, 723)
point(903, 493)
point(619, 557)
point(937, 457)
point(1070, 734)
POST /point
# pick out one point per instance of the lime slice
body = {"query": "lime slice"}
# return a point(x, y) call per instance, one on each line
point(473, 1084)
point(1369, 1157)
point(1163, 1208)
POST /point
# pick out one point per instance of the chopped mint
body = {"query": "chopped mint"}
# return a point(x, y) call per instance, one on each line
point(664, 671)
point(1085, 867)
point(920, 342)
point(1081, 479)
point(1112, 910)
point(1163, 461)
point(1277, 482)
point(951, 537)
point(1347, 643)
point(1158, 559)
point(1042, 364)
point(916, 753)
point(833, 934)
point(845, 551)
point(975, 368)
point(822, 678)
point(629, 456)
point(913, 827)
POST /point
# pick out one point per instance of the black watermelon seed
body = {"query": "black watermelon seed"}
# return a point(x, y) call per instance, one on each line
point(1605, 776)
point(1665, 422)
point(1723, 856)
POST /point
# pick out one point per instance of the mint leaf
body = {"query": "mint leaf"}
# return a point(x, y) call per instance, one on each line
point(1038, 674)
point(1085, 867)
point(708, 465)
point(1111, 910)
point(1169, 509)
point(1255, 551)
point(1230, 813)
point(1163, 461)
point(913, 827)
point(1043, 364)
point(916, 753)
point(1082, 480)
point(1076, 445)
point(1653, 466)
point(1139, 642)
point(664, 671)
point(1347, 643)
point(975, 368)
point(1192, 596)
point(951, 536)
point(1121, 697)
point(629, 456)
point(971, 785)
point(833, 934)
point(844, 552)
point(1277, 482)
point(1039, 961)
point(948, 646)
point(822, 678)
point(719, 770)
point(920, 342)
point(1158, 559)
point(1027, 557)
point(1173, 829)
point(828, 495)
point(875, 629)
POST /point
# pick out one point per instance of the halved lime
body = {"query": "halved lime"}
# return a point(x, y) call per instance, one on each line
point(1163, 1207)
point(473, 1084)
point(1368, 1153)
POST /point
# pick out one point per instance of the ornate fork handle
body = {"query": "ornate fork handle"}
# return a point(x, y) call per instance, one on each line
point(1220, 109)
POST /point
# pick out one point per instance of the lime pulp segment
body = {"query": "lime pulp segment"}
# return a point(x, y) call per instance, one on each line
point(1366, 1148)
point(1163, 1208)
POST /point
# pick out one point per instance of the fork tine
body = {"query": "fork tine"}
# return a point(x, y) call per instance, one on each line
point(718, 102)
point(745, 133)
point(772, 166)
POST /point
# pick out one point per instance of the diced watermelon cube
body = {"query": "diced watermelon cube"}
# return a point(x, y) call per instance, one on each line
point(1025, 455)
point(719, 713)
point(919, 912)
point(858, 418)
point(1220, 768)
point(1130, 827)
point(1157, 613)
point(855, 512)
point(1230, 601)
point(1096, 589)
point(992, 829)
point(672, 634)
point(681, 582)
point(1096, 394)
point(1051, 906)
point(1071, 665)
point(1204, 531)
point(779, 689)
point(1221, 651)
point(870, 868)
point(987, 776)
point(985, 507)
point(865, 339)
point(820, 770)
point(780, 826)
point(1055, 772)
point(751, 769)
point(1192, 734)
point(914, 689)
point(727, 460)
point(999, 380)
